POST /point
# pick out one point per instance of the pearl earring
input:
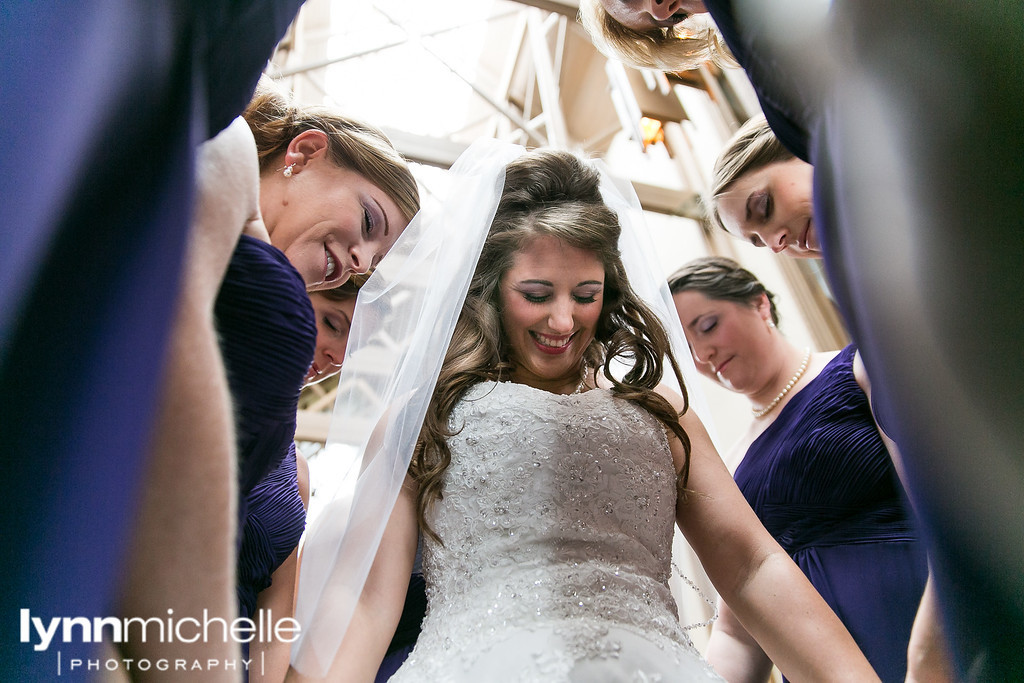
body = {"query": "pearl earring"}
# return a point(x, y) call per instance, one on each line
point(771, 324)
point(288, 170)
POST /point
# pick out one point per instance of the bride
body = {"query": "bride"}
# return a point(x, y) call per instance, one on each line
point(545, 482)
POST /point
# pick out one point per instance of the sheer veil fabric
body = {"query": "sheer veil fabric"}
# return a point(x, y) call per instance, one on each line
point(403, 323)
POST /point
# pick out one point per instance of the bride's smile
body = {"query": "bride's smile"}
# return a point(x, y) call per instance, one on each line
point(551, 301)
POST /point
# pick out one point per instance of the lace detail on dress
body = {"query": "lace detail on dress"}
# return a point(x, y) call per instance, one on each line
point(557, 522)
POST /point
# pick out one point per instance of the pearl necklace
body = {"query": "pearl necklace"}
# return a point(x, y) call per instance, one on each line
point(583, 381)
point(789, 385)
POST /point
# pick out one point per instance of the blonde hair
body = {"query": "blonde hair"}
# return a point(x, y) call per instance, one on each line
point(551, 193)
point(275, 121)
point(684, 46)
point(751, 148)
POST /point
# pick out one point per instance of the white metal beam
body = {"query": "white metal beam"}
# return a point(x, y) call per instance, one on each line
point(547, 80)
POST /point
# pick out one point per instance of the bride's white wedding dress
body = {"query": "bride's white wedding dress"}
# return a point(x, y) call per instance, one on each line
point(557, 521)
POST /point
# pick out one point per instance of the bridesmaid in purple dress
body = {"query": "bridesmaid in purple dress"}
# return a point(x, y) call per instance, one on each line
point(275, 508)
point(816, 468)
point(334, 196)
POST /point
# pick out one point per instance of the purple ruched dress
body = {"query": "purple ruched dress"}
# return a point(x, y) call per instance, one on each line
point(823, 484)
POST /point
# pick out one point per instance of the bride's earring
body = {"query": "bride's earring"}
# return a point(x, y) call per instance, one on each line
point(288, 170)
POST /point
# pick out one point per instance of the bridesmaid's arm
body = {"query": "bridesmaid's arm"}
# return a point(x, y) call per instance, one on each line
point(860, 374)
point(928, 659)
point(182, 555)
point(733, 653)
point(380, 605)
point(768, 593)
point(278, 600)
point(270, 659)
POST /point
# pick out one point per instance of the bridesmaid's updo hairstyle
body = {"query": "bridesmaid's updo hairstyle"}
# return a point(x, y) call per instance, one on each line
point(722, 279)
point(275, 121)
point(346, 291)
point(546, 193)
point(750, 149)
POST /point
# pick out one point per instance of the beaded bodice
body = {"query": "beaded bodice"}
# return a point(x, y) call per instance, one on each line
point(557, 513)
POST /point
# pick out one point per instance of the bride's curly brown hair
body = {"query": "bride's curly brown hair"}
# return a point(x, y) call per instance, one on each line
point(552, 193)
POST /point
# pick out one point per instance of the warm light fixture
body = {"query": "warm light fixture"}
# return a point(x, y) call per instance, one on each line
point(652, 131)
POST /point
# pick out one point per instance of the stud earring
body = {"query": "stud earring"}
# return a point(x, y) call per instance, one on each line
point(771, 324)
point(288, 170)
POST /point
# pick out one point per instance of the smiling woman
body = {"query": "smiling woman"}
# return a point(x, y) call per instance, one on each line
point(670, 35)
point(545, 486)
point(333, 196)
point(334, 193)
point(763, 194)
point(641, 15)
point(551, 300)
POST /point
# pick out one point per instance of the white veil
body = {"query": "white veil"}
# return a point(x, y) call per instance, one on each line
point(403, 322)
point(640, 259)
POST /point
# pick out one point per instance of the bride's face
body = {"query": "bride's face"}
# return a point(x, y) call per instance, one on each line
point(551, 301)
